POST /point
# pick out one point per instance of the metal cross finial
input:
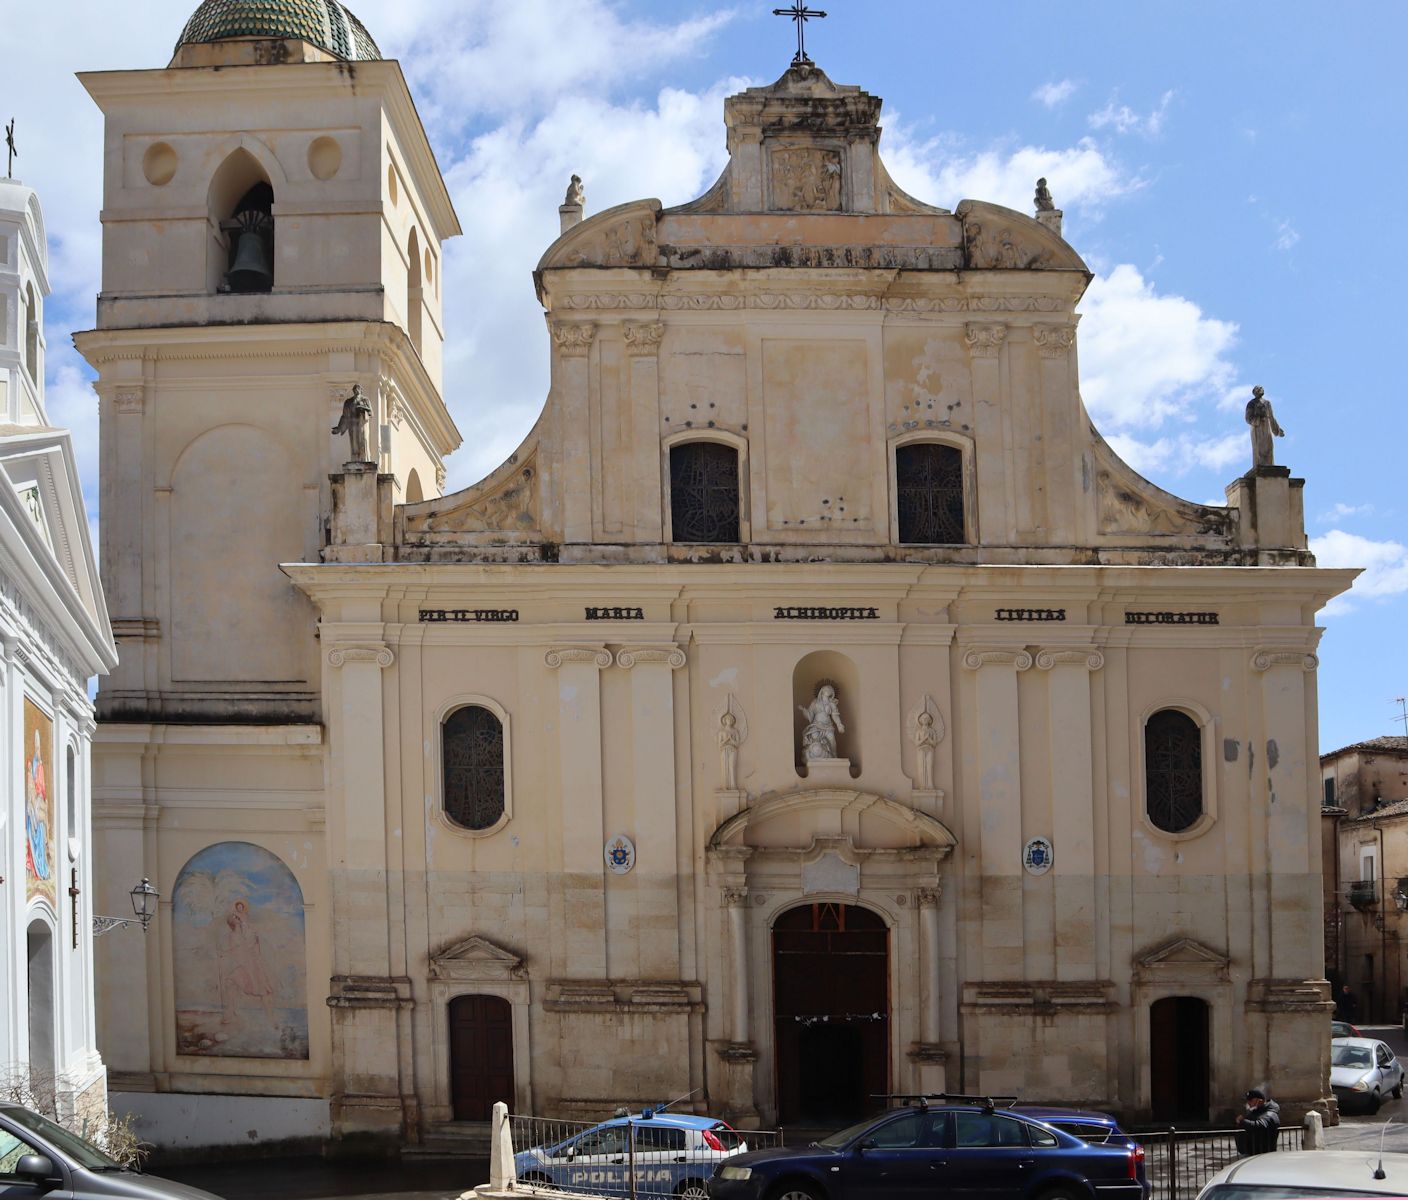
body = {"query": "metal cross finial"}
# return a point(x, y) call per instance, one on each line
point(14, 154)
point(801, 14)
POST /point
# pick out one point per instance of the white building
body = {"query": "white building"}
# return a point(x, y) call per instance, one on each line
point(54, 635)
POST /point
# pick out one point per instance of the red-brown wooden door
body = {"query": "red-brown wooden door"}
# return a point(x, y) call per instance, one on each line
point(481, 1055)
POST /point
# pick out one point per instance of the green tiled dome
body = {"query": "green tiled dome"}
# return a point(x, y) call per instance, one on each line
point(324, 23)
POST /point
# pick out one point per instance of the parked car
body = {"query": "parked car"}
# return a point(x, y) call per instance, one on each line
point(38, 1158)
point(1363, 1071)
point(1323, 1174)
point(1096, 1127)
point(1339, 1029)
point(960, 1149)
point(674, 1156)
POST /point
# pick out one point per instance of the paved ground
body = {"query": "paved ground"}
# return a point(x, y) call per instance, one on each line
point(315, 1179)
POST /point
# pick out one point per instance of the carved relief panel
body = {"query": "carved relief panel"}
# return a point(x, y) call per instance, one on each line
point(805, 179)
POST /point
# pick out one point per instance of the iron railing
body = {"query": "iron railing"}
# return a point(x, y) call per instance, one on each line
point(1179, 1161)
point(641, 1158)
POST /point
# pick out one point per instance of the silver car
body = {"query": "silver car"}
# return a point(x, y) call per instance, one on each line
point(39, 1158)
point(1363, 1071)
point(1323, 1174)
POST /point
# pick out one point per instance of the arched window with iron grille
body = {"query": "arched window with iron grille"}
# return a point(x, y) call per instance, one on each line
point(1173, 770)
point(472, 751)
point(704, 498)
point(929, 494)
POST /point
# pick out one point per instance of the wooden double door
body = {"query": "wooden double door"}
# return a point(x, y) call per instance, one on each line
point(481, 1055)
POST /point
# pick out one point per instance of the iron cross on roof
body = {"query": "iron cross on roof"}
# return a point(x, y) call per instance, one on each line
point(801, 14)
point(10, 145)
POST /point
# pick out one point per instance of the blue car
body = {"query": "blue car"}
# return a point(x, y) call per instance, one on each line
point(1084, 1123)
point(674, 1155)
point(970, 1150)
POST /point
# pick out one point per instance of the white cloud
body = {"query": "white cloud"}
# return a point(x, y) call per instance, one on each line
point(1340, 511)
point(1147, 358)
point(1052, 94)
point(1122, 119)
point(1181, 454)
point(1286, 235)
point(940, 171)
point(1385, 566)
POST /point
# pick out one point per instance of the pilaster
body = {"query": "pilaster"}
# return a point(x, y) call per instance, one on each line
point(572, 345)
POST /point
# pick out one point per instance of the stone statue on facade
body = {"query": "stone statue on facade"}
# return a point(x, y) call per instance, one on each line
point(1043, 200)
point(1264, 427)
point(356, 424)
point(576, 194)
point(823, 724)
point(926, 737)
point(730, 737)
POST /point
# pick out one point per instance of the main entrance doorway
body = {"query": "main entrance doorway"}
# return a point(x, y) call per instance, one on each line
point(1178, 1059)
point(831, 1003)
point(481, 1055)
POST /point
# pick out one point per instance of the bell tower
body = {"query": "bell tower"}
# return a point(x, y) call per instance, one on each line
point(273, 218)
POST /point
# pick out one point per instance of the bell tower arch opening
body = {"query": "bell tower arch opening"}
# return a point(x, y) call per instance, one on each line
point(415, 291)
point(831, 1011)
point(241, 257)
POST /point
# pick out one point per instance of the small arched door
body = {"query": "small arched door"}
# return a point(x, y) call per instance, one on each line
point(1179, 1046)
point(831, 1005)
point(481, 1055)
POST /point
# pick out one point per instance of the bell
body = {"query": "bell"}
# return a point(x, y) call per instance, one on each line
point(252, 270)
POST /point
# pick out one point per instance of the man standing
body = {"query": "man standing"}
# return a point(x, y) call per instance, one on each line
point(1347, 1005)
point(1258, 1124)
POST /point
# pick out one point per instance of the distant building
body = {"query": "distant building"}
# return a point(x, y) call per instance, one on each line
point(1364, 789)
point(54, 636)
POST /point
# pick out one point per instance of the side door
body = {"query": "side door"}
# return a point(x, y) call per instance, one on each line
point(898, 1160)
point(988, 1157)
point(1390, 1070)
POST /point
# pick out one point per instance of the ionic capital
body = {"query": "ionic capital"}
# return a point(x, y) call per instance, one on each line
point(1088, 657)
point(997, 656)
point(1266, 657)
point(984, 341)
point(596, 655)
point(382, 656)
point(671, 656)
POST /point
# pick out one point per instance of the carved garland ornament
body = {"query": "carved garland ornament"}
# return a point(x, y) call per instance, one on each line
point(578, 654)
point(643, 340)
point(812, 300)
point(383, 656)
point(1266, 657)
point(1054, 341)
point(997, 656)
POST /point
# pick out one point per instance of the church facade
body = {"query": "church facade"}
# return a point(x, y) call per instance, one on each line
point(814, 705)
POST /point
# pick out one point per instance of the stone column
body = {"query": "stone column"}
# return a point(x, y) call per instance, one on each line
point(997, 492)
point(1072, 925)
point(369, 1005)
point(651, 926)
point(571, 385)
point(928, 1055)
point(737, 1053)
point(645, 521)
point(998, 815)
point(582, 915)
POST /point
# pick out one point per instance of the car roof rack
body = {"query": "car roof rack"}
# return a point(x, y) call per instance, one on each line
point(923, 1099)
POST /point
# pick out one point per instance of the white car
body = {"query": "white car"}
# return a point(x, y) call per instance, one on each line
point(1322, 1174)
point(1362, 1072)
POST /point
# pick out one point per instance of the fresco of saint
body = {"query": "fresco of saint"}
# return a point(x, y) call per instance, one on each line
point(38, 803)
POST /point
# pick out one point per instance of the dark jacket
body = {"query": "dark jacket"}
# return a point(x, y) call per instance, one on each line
point(1259, 1127)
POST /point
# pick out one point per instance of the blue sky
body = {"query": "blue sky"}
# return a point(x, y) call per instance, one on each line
point(1232, 172)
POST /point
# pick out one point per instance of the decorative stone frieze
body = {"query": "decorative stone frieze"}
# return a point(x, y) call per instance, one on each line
point(810, 301)
point(1070, 656)
point(340, 656)
point(1266, 657)
point(1054, 341)
point(984, 341)
point(130, 400)
point(997, 656)
point(573, 340)
point(673, 657)
point(643, 340)
point(578, 654)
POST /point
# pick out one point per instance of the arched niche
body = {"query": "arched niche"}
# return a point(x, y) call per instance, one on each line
point(40, 947)
point(238, 956)
point(415, 492)
point(240, 185)
point(811, 671)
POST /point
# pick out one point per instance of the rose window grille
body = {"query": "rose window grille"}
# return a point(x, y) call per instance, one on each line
point(474, 768)
point(704, 492)
point(1173, 771)
point(929, 486)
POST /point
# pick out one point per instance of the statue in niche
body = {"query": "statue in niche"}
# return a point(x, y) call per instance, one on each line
point(1264, 427)
point(926, 737)
point(729, 737)
point(356, 424)
point(823, 724)
point(576, 194)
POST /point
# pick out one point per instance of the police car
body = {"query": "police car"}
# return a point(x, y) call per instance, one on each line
point(674, 1155)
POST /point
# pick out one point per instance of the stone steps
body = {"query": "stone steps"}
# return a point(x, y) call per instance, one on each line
point(452, 1139)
